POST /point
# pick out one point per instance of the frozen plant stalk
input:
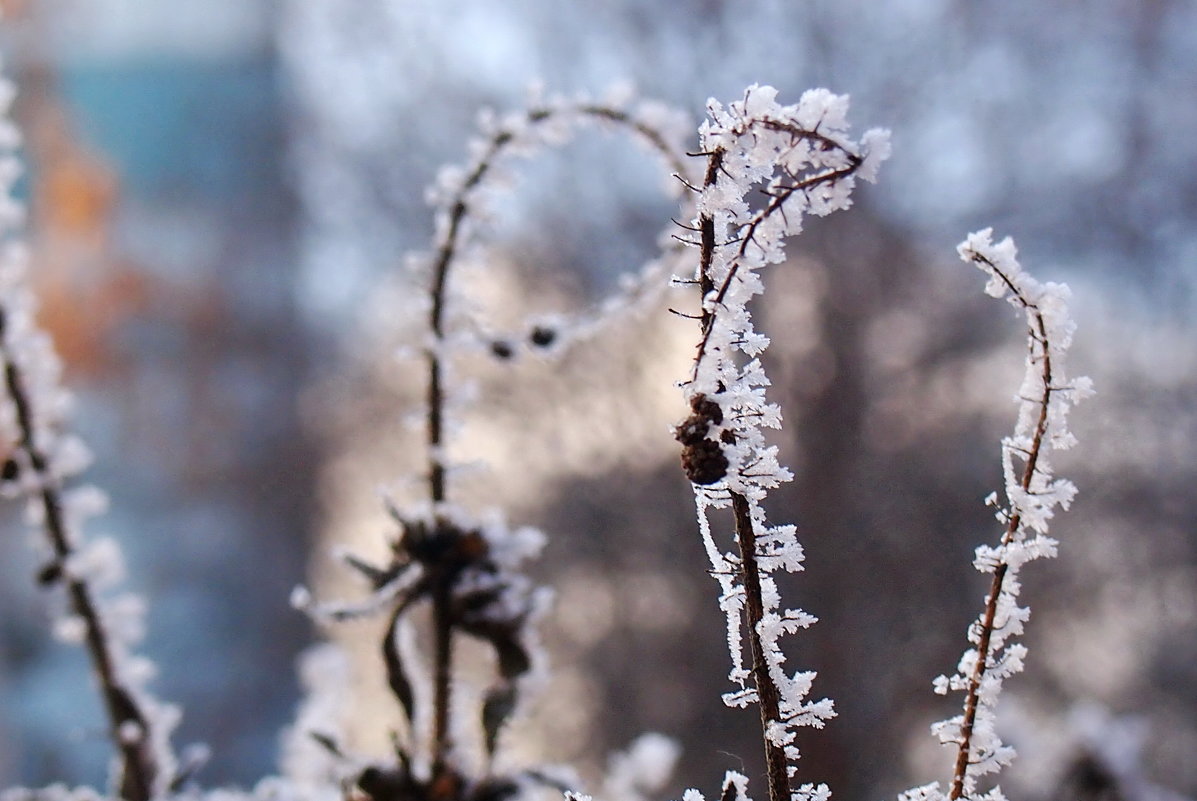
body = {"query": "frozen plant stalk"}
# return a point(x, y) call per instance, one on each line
point(39, 457)
point(1032, 494)
point(464, 566)
point(768, 166)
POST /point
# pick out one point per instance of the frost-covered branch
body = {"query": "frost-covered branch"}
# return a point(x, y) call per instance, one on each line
point(41, 458)
point(461, 567)
point(1032, 494)
point(461, 196)
point(799, 160)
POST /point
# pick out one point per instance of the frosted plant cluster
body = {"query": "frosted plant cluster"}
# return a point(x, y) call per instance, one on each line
point(768, 166)
point(798, 159)
point(1032, 495)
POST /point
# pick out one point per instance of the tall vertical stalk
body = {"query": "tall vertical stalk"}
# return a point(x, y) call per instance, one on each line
point(754, 610)
point(800, 161)
point(1041, 350)
point(1032, 494)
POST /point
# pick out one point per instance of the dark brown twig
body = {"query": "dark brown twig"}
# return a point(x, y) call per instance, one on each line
point(972, 698)
point(754, 611)
point(767, 695)
point(138, 766)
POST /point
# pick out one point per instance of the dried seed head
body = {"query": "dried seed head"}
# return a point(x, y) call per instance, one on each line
point(692, 431)
point(542, 336)
point(704, 462)
point(706, 408)
point(49, 574)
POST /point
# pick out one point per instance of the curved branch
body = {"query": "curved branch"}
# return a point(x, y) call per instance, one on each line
point(774, 206)
point(458, 210)
point(757, 145)
point(1037, 332)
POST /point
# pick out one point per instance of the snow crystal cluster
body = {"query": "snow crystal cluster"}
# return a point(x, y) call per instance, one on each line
point(800, 159)
point(39, 457)
point(1032, 495)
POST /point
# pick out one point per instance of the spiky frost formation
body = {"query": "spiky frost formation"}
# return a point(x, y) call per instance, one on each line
point(801, 160)
point(1033, 493)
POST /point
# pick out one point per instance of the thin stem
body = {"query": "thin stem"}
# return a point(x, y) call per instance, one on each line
point(442, 663)
point(138, 766)
point(446, 253)
point(754, 610)
point(707, 255)
point(972, 699)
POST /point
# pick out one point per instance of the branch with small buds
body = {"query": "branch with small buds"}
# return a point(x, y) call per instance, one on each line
point(460, 195)
point(800, 160)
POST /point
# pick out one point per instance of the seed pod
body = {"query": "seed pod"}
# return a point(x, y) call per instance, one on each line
point(49, 574)
point(706, 408)
point(692, 430)
point(542, 336)
point(704, 462)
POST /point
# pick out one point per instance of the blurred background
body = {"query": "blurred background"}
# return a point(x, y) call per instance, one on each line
point(221, 195)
